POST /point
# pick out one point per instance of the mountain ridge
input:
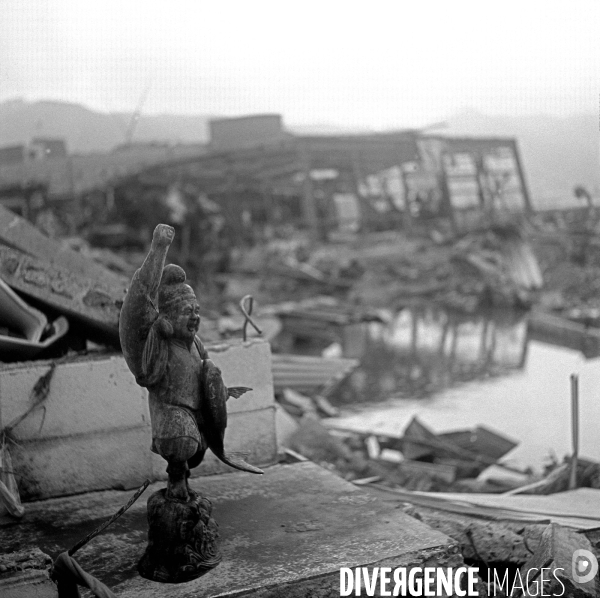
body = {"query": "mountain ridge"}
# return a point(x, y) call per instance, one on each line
point(558, 152)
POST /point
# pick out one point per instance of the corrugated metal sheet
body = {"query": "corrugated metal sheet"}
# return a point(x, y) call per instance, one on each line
point(306, 373)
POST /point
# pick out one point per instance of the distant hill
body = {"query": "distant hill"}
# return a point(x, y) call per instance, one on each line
point(88, 131)
point(558, 153)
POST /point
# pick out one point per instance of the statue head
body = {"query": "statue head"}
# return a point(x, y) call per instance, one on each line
point(177, 302)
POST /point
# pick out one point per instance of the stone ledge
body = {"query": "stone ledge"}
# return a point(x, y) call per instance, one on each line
point(59, 466)
point(100, 393)
point(85, 396)
point(95, 432)
point(286, 533)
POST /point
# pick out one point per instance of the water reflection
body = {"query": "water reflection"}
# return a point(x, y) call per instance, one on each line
point(421, 351)
point(508, 373)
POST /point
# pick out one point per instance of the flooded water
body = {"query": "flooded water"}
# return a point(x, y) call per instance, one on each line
point(457, 372)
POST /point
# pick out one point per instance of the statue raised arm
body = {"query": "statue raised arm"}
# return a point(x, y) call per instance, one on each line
point(187, 396)
point(158, 325)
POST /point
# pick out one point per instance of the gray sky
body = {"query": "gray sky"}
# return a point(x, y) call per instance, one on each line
point(365, 63)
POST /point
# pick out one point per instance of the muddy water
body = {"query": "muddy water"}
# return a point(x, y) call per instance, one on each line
point(455, 372)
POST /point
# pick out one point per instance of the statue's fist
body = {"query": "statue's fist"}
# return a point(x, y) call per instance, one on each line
point(163, 235)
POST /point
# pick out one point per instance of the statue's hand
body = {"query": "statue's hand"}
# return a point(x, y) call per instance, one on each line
point(237, 391)
point(163, 235)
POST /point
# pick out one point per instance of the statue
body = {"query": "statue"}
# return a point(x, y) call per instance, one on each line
point(187, 396)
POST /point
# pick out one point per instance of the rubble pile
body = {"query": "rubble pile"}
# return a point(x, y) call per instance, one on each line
point(568, 250)
point(491, 267)
point(53, 299)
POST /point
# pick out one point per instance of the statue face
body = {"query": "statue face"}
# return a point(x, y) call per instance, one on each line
point(186, 320)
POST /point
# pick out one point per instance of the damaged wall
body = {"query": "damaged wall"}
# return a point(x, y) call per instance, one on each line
point(93, 430)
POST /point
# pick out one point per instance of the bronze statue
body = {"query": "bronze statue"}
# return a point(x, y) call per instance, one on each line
point(158, 325)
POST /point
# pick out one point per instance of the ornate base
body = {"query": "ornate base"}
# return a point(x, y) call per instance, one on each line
point(182, 539)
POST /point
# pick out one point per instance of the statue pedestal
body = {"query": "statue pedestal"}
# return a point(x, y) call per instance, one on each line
point(182, 539)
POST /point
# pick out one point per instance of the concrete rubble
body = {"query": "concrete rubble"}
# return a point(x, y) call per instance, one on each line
point(289, 533)
point(59, 280)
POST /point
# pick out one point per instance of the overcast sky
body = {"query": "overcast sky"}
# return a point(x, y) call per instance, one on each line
point(364, 63)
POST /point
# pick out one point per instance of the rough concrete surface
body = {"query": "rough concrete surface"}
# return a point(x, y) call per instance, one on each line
point(245, 364)
point(24, 574)
point(85, 397)
point(286, 533)
point(484, 540)
point(80, 297)
point(21, 234)
point(94, 430)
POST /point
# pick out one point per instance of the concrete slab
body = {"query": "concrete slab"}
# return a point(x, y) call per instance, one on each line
point(245, 364)
point(100, 393)
point(86, 396)
point(24, 574)
point(57, 466)
point(20, 234)
point(286, 533)
point(81, 297)
point(95, 430)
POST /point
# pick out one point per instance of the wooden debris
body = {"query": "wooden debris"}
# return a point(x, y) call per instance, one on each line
point(481, 441)
point(418, 442)
point(436, 471)
point(373, 448)
point(297, 457)
point(296, 403)
point(317, 444)
point(324, 406)
point(365, 481)
point(588, 475)
point(578, 509)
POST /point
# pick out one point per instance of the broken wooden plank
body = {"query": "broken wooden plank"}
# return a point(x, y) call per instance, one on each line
point(437, 471)
point(558, 479)
point(577, 509)
point(419, 441)
point(481, 441)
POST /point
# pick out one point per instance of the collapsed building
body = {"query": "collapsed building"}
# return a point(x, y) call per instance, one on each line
point(258, 175)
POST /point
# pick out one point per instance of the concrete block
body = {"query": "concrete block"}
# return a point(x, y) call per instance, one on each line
point(61, 466)
point(246, 364)
point(100, 393)
point(251, 432)
point(80, 297)
point(28, 584)
point(86, 396)
point(22, 235)
point(95, 431)
point(283, 534)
